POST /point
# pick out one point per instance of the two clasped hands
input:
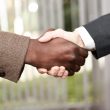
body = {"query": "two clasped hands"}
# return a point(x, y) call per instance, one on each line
point(58, 53)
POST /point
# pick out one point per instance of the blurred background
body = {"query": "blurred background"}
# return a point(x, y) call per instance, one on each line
point(89, 89)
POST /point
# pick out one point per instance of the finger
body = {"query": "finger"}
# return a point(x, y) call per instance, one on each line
point(65, 74)
point(79, 61)
point(48, 30)
point(39, 39)
point(61, 71)
point(46, 37)
point(51, 35)
point(77, 68)
point(42, 70)
point(54, 71)
point(71, 72)
point(83, 52)
point(73, 69)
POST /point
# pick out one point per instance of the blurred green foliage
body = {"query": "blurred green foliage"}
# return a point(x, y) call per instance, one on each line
point(71, 15)
point(67, 15)
point(74, 88)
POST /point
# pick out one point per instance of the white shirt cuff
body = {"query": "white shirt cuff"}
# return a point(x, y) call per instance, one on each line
point(86, 38)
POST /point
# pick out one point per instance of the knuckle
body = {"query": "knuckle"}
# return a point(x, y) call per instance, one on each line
point(82, 61)
point(77, 68)
point(71, 70)
point(72, 57)
point(69, 58)
point(79, 61)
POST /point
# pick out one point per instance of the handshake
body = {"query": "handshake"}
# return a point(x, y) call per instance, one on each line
point(58, 53)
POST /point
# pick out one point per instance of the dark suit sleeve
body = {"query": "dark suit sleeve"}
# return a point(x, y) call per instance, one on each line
point(99, 29)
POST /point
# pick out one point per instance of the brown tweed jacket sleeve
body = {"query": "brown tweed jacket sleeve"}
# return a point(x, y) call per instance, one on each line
point(13, 49)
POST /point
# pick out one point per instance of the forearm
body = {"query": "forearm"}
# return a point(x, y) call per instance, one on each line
point(13, 49)
point(99, 30)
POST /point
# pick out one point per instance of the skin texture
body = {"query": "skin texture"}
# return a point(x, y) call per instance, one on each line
point(56, 52)
point(60, 71)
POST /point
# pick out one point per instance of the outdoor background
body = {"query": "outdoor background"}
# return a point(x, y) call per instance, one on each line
point(87, 89)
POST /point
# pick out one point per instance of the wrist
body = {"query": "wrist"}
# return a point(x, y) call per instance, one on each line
point(30, 55)
point(78, 40)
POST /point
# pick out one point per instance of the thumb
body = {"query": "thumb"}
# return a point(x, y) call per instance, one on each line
point(47, 36)
point(42, 70)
